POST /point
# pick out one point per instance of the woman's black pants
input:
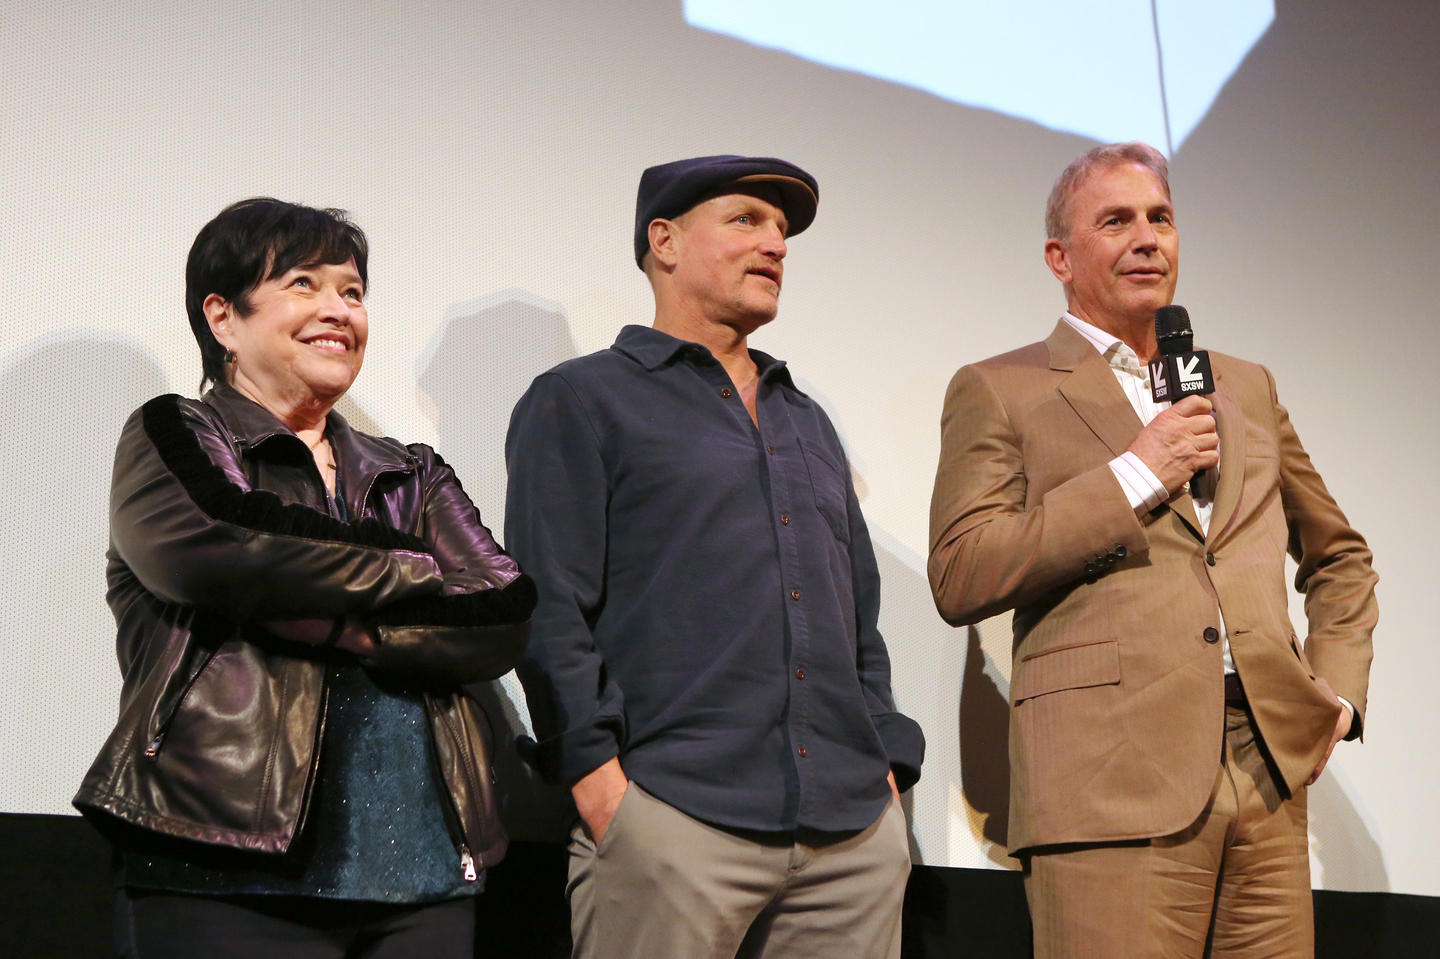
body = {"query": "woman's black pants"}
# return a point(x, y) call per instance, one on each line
point(167, 926)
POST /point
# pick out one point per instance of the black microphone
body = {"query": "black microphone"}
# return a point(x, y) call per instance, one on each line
point(1180, 370)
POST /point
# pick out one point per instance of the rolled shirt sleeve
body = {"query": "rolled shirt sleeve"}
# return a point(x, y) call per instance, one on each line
point(902, 737)
point(555, 525)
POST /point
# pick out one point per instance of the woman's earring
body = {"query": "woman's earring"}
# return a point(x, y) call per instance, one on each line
point(229, 356)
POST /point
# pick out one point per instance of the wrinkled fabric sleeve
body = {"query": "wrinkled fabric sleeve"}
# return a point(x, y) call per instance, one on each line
point(193, 533)
point(988, 552)
point(555, 525)
point(1334, 572)
point(476, 627)
point(901, 736)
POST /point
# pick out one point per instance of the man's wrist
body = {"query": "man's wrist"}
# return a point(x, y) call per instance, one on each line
point(599, 783)
point(1350, 721)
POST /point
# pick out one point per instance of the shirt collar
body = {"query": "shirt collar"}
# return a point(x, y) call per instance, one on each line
point(648, 346)
point(653, 349)
point(1114, 350)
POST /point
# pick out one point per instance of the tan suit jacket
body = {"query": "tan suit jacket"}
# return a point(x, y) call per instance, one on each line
point(1117, 688)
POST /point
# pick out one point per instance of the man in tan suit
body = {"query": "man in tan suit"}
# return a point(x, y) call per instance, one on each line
point(1165, 719)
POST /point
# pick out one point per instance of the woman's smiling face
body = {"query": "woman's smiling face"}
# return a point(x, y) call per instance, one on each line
point(304, 338)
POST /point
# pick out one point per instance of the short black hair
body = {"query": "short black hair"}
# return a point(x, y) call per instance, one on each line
point(253, 241)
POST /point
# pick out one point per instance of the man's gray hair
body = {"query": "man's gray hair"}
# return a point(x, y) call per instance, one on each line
point(1057, 208)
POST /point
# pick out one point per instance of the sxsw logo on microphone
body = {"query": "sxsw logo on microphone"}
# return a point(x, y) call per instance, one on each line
point(1185, 371)
point(1177, 376)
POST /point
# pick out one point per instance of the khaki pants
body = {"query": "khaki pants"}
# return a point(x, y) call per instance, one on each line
point(1235, 884)
point(662, 885)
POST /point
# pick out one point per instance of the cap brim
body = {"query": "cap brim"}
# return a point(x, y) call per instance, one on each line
point(800, 202)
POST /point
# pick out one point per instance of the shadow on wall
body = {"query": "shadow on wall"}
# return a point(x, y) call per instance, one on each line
point(966, 785)
point(357, 417)
point(63, 401)
point(984, 718)
point(1343, 853)
point(480, 361)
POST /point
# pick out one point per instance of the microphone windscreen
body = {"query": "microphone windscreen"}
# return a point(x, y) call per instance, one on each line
point(1172, 330)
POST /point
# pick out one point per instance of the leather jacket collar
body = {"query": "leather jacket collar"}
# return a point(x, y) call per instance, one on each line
point(360, 458)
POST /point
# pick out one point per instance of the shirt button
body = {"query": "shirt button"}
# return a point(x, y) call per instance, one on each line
point(794, 594)
point(1212, 635)
point(1209, 559)
point(800, 673)
point(802, 751)
point(1121, 551)
point(784, 520)
point(725, 391)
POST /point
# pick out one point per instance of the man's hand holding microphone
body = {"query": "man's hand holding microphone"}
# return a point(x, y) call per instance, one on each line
point(1180, 442)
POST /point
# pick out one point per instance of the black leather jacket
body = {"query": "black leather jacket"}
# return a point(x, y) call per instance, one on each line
point(218, 522)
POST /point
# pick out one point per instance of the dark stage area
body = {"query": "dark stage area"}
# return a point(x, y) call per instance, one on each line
point(56, 895)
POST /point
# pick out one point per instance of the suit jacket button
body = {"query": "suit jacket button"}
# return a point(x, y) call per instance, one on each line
point(1212, 635)
point(1209, 559)
point(1121, 551)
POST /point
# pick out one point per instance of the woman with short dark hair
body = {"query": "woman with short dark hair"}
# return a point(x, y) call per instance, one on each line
point(297, 770)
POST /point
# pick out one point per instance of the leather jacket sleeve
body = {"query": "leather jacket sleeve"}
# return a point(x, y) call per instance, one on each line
point(184, 520)
point(477, 627)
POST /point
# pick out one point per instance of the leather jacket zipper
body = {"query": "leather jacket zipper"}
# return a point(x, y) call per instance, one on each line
point(315, 755)
point(153, 749)
point(370, 483)
point(452, 809)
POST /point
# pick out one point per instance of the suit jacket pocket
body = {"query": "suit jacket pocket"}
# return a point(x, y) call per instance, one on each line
point(1299, 651)
point(1069, 667)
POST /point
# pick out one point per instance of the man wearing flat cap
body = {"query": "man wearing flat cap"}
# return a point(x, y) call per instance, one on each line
point(705, 670)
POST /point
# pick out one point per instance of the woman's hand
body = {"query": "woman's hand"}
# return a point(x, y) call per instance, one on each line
point(357, 636)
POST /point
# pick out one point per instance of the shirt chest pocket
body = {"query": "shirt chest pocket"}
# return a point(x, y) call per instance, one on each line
point(828, 482)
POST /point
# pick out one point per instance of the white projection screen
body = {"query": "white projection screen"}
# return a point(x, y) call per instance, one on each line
point(491, 150)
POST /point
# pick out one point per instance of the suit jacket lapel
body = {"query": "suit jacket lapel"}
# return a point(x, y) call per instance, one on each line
point(1230, 425)
point(1091, 390)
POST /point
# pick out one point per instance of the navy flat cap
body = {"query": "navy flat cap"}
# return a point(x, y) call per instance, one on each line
point(668, 190)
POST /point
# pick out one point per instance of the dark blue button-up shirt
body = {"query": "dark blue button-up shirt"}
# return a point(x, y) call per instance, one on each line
point(708, 591)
